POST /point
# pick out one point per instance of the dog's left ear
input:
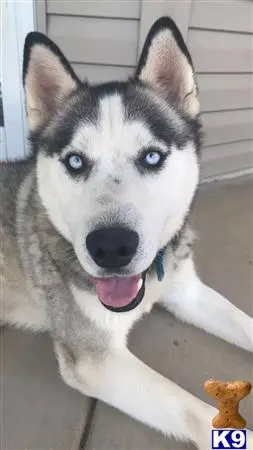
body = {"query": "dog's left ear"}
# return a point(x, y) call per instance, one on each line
point(47, 77)
point(166, 65)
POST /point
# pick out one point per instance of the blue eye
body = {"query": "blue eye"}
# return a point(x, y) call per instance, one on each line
point(75, 162)
point(152, 158)
point(77, 165)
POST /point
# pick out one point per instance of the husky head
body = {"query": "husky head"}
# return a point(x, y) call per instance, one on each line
point(117, 163)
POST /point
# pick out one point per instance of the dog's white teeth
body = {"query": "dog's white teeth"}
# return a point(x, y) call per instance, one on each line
point(140, 283)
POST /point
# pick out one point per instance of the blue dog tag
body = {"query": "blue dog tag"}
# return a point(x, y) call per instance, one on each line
point(159, 265)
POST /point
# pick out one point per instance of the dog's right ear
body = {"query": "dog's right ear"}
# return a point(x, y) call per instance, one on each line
point(47, 78)
point(166, 66)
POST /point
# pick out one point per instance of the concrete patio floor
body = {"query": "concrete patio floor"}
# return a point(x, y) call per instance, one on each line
point(39, 412)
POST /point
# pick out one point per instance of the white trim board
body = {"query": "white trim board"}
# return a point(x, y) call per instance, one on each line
point(17, 19)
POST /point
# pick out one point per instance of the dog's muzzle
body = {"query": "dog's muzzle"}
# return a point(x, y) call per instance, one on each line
point(113, 248)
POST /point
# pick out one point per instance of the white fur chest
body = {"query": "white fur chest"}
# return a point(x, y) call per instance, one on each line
point(116, 324)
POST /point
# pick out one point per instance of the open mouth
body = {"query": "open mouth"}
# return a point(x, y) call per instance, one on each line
point(120, 294)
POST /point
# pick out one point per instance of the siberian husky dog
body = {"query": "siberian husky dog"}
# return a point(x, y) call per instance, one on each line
point(95, 231)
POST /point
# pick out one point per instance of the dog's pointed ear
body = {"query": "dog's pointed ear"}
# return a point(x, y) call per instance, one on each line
point(47, 78)
point(166, 65)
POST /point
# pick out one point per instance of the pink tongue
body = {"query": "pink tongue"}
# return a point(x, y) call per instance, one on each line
point(117, 291)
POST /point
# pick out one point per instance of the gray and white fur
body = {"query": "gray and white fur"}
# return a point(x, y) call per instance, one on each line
point(49, 209)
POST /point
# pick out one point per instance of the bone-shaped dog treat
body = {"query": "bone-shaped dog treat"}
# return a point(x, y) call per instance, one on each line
point(228, 395)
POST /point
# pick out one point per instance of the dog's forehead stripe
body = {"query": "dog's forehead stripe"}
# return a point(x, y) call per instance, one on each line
point(108, 108)
point(133, 105)
point(112, 132)
point(111, 112)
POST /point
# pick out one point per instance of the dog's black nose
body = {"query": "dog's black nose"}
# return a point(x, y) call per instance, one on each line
point(112, 248)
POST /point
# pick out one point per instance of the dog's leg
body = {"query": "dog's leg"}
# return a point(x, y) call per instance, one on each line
point(194, 302)
point(123, 381)
point(126, 383)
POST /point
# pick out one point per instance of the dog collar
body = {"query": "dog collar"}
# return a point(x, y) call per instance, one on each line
point(159, 264)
